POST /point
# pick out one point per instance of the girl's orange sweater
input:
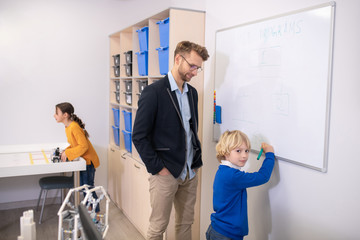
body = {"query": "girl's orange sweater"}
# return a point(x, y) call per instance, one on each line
point(80, 146)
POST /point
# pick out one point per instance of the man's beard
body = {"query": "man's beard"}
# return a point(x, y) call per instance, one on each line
point(183, 76)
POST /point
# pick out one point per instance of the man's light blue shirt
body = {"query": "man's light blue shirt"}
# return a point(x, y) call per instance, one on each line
point(183, 101)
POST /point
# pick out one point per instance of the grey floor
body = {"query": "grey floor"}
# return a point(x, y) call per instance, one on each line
point(119, 225)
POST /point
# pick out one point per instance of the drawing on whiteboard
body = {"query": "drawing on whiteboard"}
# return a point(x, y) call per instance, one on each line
point(265, 62)
point(257, 138)
point(281, 103)
point(244, 112)
point(270, 56)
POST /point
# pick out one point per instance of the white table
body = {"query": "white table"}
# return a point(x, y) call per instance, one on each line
point(34, 159)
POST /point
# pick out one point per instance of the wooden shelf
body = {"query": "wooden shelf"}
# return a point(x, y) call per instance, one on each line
point(130, 170)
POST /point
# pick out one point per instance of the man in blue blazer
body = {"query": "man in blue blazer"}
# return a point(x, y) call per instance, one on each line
point(165, 136)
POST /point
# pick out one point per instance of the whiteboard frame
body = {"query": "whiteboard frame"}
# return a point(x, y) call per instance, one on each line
point(332, 4)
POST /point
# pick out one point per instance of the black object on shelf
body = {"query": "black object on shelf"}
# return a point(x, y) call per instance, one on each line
point(128, 69)
point(128, 57)
point(116, 59)
point(116, 71)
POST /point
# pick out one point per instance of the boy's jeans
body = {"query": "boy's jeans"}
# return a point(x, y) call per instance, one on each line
point(211, 234)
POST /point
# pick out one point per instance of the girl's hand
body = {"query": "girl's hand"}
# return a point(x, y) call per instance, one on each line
point(267, 147)
point(63, 156)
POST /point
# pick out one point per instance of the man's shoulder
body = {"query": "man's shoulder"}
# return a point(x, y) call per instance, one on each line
point(160, 83)
point(156, 88)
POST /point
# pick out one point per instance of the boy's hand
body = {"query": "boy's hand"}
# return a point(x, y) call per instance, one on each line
point(267, 147)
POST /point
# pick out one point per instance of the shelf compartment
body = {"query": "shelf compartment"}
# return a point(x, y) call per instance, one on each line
point(127, 140)
point(128, 120)
point(163, 59)
point(164, 32)
point(142, 58)
point(116, 115)
point(143, 35)
point(116, 134)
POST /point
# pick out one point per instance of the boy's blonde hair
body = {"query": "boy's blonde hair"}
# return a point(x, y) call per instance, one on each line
point(230, 140)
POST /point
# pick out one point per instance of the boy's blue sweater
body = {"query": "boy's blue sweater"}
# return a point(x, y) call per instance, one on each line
point(230, 197)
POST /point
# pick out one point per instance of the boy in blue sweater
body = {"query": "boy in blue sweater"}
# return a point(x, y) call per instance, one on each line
point(230, 220)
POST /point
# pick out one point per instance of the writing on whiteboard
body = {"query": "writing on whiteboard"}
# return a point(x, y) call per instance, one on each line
point(281, 29)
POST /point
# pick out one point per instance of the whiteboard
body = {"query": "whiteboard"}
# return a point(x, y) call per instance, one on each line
point(273, 82)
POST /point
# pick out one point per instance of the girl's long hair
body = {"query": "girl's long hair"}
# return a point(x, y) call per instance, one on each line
point(66, 107)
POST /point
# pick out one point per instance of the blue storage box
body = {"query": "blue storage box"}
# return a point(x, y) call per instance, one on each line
point(163, 59)
point(127, 120)
point(127, 140)
point(143, 35)
point(142, 63)
point(164, 32)
point(116, 135)
point(116, 116)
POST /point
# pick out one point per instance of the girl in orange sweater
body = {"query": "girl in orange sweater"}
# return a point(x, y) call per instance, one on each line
point(80, 146)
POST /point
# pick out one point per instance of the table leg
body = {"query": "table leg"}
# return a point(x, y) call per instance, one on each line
point(77, 184)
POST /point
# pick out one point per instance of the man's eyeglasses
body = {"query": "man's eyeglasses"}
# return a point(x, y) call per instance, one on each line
point(192, 66)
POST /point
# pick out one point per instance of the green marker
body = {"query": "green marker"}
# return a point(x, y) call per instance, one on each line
point(261, 151)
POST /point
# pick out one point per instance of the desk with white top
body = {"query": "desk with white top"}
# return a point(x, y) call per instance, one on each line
point(34, 159)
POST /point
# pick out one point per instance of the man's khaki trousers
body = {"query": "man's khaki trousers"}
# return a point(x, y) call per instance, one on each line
point(164, 191)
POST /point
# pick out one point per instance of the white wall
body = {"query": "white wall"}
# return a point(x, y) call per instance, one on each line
point(55, 51)
point(298, 203)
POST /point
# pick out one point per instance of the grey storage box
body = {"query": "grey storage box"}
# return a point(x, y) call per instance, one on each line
point(128, 86)
point(117, 96)
point(128, 98)
point(117, 85)
point(128, 69)
point(116, 71)
point(128, 57)
point(116, 59)
point(142, 85)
